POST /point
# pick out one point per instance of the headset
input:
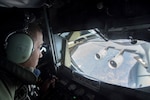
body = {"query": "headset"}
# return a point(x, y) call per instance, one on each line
point(18, 46)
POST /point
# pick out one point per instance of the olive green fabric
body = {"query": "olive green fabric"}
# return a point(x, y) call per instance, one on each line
point(7, 89)
point(18, 72)
point(12, 76)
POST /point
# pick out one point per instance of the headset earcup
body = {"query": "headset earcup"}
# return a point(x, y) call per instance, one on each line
point(19, 48)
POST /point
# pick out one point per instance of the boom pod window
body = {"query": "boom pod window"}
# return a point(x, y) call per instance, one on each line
point(119, 62)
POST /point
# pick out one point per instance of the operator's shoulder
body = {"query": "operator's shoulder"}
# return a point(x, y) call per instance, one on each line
point(7, 90)
point(8, 80)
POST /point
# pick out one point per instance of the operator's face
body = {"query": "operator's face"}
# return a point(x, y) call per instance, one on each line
point(32, 62)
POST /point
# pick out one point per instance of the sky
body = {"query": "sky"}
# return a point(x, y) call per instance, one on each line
point(84, 57)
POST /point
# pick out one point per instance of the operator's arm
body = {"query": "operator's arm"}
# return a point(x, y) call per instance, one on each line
point(7, 90)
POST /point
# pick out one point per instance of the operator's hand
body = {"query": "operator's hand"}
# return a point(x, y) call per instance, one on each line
point(49, 83)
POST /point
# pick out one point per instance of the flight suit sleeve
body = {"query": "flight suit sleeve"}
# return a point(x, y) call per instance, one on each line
point(7, 90)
